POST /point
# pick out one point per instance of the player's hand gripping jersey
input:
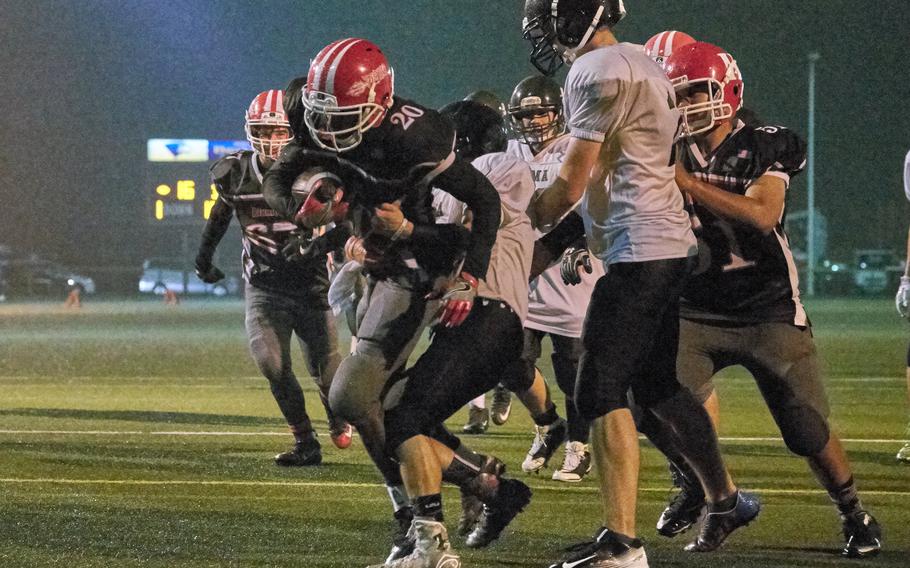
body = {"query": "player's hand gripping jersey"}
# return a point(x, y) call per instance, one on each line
point(743, 274)
point(265, 233)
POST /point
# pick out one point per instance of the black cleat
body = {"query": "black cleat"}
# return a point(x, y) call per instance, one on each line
point(719, 524)
point(607, 550)
point(511, 498)
point(685, 509)
point(404, 539)
point(863, 535)
point(471, 511)
point(305, 452)
point(501, 405)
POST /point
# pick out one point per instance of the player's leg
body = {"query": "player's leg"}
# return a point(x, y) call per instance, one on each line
point(390, 318)
point(784, 363)
point(318, 338)
point(903, 455)
point(577, 460)
point(269, 324)
point(693, 434)
point(528, 384)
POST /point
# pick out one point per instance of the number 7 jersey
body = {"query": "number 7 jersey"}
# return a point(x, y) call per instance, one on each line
point(744, 275)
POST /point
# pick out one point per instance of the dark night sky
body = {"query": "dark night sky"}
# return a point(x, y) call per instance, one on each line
point(85, 83)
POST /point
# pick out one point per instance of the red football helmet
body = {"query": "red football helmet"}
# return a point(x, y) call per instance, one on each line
point(267, 110)
point(348, 90)
point(661, 45)
point(702, 67)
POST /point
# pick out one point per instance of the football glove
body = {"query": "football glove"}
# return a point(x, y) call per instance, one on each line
point(571, 261)
point(902, 300)
point(206, 271)
point(457, 300)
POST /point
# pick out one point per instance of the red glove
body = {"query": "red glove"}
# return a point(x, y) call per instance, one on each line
point(458, 300)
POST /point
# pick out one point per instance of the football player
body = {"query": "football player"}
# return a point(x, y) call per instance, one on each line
point(902, 300)
point(467, 360)
point(622, 125)
point(741, 305)
point(555, 308)
point(389, 150)
point(281, 298)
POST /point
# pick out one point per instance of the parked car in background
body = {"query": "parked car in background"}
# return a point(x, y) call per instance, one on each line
point(29, 276)
point(876, 271)
point(161, 275)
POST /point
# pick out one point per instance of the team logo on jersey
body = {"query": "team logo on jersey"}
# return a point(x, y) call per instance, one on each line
point(368, 82)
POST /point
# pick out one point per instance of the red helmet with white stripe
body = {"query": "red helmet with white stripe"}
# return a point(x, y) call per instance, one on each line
point(267, 127)
point(661, 45)
point(705, 68)
point(349, 88)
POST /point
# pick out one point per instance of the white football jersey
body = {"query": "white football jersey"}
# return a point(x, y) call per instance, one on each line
point(553, 306)
point(510, 258)
point(616, 95)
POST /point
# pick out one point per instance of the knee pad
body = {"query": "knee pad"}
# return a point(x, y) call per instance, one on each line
point(804, 430)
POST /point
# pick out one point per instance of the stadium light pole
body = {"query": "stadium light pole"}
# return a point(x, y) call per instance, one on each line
point(810, 173)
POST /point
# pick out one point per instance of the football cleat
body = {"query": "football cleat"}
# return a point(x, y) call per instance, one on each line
point(575, 465)
point(719, 524)
point(501, 405)
point(471, 510)
point(607, 550)
point(305, 452)
point(431, 550)
point(685, 509)
point(511, 497)
point(903, 455)
point(342, 434)
point(404, 539)
point(478, 420)
point(863, 535)
point(546, 440)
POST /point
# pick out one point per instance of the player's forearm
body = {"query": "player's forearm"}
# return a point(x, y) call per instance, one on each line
point(732, 206)
point(215, 229)
point(553, 202)
point(907, 262)
point(277, 181)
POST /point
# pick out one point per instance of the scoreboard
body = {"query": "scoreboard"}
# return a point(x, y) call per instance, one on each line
point(178, 186)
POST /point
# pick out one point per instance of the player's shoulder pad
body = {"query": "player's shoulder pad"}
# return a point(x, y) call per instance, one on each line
point(420, 132)
point(223, 167)
point(779, 147)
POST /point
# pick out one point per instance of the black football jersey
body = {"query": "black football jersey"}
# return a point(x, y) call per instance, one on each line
point(742, 274)
point(395, 161)
point(238, 181)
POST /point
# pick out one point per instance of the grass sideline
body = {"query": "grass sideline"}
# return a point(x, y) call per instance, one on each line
point(138, 434)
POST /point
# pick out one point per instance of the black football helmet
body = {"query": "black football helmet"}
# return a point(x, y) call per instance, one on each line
point(479, 129)
point(532, 97)
point(558, 28)
point(487, 98)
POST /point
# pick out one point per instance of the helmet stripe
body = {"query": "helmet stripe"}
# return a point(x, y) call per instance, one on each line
point(321, 63)
point(330, 80)
point(268, 106)
point(668, 45)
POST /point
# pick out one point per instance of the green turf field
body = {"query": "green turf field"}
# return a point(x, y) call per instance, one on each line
point(137, 434)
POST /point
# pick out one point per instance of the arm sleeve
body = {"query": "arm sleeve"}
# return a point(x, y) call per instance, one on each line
point(442, 236)
point(466, 184)
point(215, 228)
